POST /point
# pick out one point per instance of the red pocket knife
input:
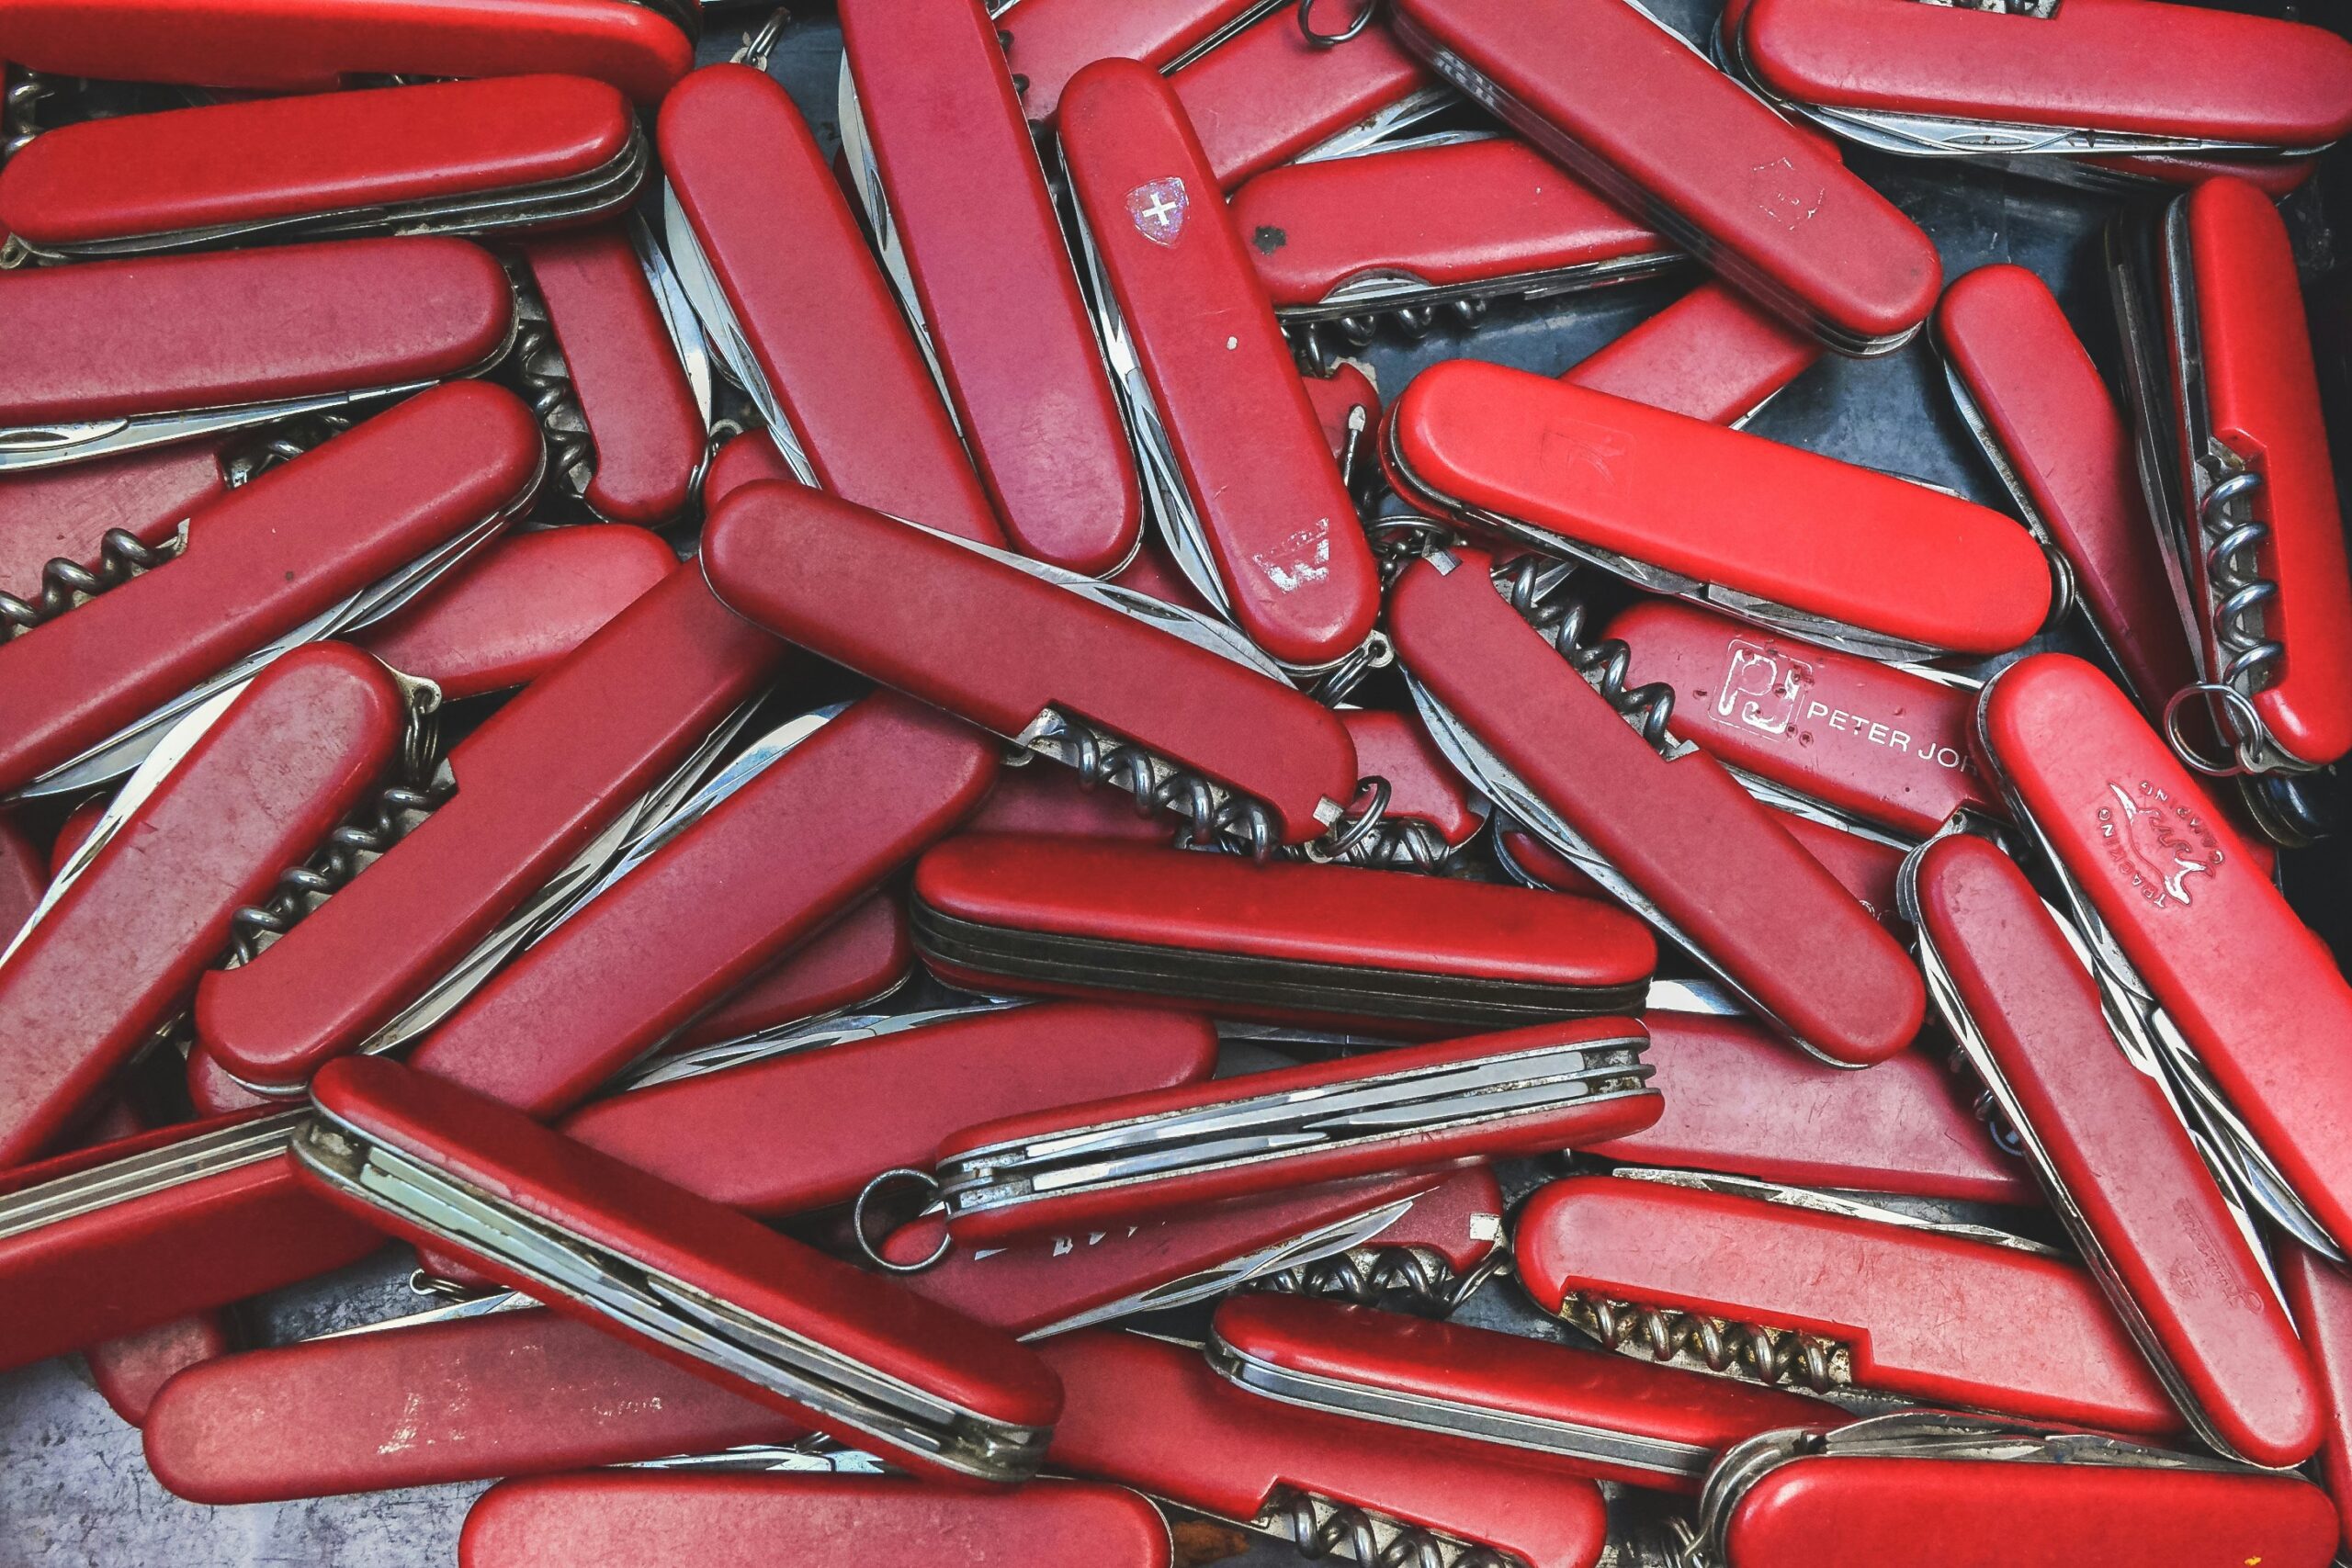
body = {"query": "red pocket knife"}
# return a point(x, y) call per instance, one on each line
point(1740, 1103)
point(1632, 108)
point(2037, 79)
point(639, 46)
point(24, 876)
point(114, 357)
point(1921, 1488)
point(856, 960)
point(787, 1123)
point(445, 157)
point(611, 354)
point(247, 784)
point(2196, 950)
point(1449, 222)
point(767, 250)
point(691, 909)
point(1860, 560)
point(943, 163)
point(855, 1356)
point(2180, 1262)
point(324, 545)
point(532, 808)
point(1235, 468)
point(2235, 460)
point(1878, 748)
point(1269, 97)
point(820, 1521)
point(1710, 355)
point(1787, 1286)
point(1155, 1416)
point(475, 1390)
point(520, 609)
point(1293, 943)
point(1415, 1107)
point(1432, 812)
point(1609, 1418)
point(2035, 404)
point(1175, 709)
point(107, 1241)
point(1052, 40)
point(2319, 1297)
point(1544, 724)
point(104, 518)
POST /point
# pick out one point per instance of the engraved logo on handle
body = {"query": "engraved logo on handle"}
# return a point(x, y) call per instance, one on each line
point(2156, 842)
point(1760, 687)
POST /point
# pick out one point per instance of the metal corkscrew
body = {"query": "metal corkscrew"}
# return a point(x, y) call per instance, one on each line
point(66, 585)
point(1414, 1279)
point(1319, 1527)
point(1745, 1349)
point(544, 379)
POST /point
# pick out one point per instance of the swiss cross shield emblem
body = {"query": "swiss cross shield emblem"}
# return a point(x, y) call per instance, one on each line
point(1158, 209)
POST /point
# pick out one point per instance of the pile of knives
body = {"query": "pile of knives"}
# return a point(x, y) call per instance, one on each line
point(964, 900)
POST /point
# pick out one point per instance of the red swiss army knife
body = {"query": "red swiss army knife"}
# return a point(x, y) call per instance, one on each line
point(1874, 748)
point(639, 46)
point(2030, 81)
point(2181, 1263)
point(1415, 1107)
point(1052, 40)
point(1787, 1286)
point(1286, 941)
point(1710, 355)
point(1544, 723)
point(609, 351)
point(943, 163)
point(1449, 222)
point(528, 813)
point(855, 959)
point(1634, 108)
point(817, 1521)
point(503, 156)
point(1235, 468)
point(2235, 456)
point(1879, 566)
point(2199, 956)
point(475, 1390)
point(767, 250)
point(1271, 95)
point(855, 1356)
point(325, 544)
point(1154, 1415)
point(1611, 1417)
point(2035, 404)
point(1922, 1488)
point(247, 784)
point(1176, 709)
point(116, 356)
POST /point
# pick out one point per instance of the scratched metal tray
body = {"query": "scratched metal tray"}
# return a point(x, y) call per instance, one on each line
point(74, 1492)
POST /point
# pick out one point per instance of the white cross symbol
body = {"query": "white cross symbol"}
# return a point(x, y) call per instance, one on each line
point(1160, 208)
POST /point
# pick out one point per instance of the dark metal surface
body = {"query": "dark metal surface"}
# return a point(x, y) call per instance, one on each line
point(73, 1488)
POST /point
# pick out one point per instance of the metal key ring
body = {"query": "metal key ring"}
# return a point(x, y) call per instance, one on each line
point(1372, 791)
point(922, 1179)
point(1365, 13)
point(2240, 706)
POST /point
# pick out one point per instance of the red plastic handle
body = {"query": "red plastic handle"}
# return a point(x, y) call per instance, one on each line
point(535, 785)
point(285, 548)
point(523, 607)
point(805, 1130)
point(2108, 1130)
point(1765, 204)
point(1053, 40)
point(65, 512)
point(310, 155)
point(117, 956)
point(1710, 355)
point(1278, 522)
point(2042, 400)
point(860, 957)
point(1000, 301)
point(642, 419)
point(828, 338)
point(704, 912)
point(1470, 213)
point(2231, 76)
point(931, 618)
point(1267, 95)
point(1849, 544)
point(1684, 832)
point(1944, 1319)
point(1153, 1416)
